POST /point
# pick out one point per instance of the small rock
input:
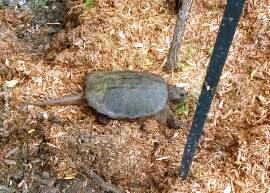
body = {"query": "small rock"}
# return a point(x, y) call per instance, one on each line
point(4, 189)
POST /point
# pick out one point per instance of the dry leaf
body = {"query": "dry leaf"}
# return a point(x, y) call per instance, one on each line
point(70, 176)
point(228, 189)
point(11, 83)
point(138, 45)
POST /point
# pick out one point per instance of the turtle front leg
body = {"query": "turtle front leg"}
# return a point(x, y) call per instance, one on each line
point(167, 117)
point(173, 122)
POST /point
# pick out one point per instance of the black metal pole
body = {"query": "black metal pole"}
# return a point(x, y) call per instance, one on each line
point(225, 36)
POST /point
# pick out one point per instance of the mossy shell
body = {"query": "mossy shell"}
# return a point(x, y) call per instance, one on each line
point(126, 94)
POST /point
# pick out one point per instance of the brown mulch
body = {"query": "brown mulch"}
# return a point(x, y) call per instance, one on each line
point(234, 152)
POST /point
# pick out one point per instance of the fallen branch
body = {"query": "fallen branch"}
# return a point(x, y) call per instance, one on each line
point(105, 186)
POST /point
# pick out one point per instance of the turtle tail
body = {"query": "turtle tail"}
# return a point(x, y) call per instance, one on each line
point(67, 100)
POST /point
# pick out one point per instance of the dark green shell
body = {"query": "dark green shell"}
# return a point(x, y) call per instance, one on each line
point(126, 94)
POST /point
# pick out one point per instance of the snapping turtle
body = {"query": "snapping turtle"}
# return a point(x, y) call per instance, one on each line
point(127, 95)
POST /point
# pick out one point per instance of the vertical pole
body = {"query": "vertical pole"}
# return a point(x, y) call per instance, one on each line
point(225, 36)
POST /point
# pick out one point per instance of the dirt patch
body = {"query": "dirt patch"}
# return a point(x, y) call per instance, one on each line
point(42, 148)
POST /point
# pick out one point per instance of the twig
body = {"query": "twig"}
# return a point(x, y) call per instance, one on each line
point(5, 97)
point(107, 187)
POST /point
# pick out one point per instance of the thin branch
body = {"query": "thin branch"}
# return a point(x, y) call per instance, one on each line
point(105, 186)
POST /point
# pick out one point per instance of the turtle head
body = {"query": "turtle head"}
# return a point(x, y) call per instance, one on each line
point(176, 94)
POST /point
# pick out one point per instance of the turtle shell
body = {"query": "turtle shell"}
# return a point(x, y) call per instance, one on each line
point(126, 94)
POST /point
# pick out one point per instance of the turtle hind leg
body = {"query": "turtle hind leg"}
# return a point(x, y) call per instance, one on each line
point(166, 116)
point(103, 119)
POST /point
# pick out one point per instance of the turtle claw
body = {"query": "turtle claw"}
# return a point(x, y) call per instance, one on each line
point(175, 124)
